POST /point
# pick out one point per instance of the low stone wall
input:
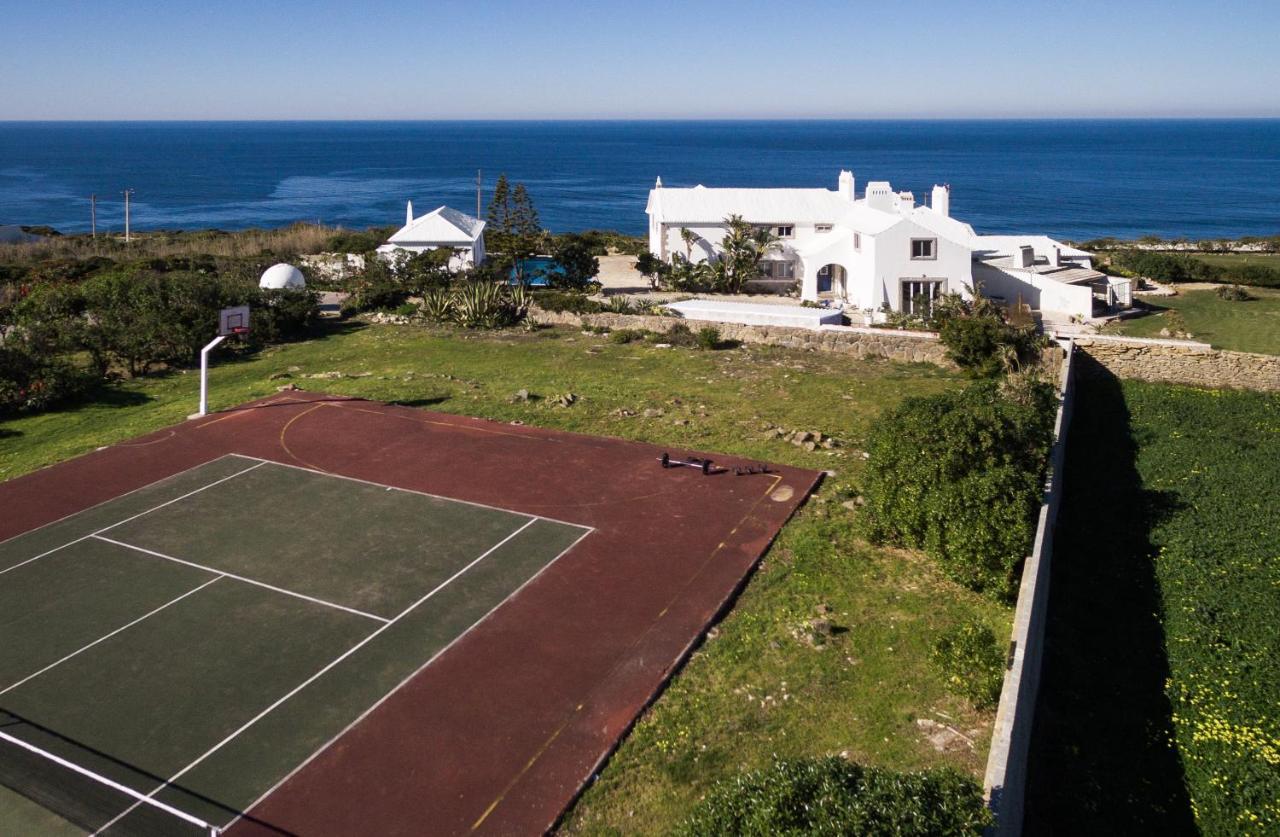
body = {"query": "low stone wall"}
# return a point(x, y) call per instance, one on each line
point(907, 346)
point(1182, 362)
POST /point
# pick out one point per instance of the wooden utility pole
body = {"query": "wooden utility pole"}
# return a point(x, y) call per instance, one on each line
point(478, 182)
point(93, 215)
point(127, 193)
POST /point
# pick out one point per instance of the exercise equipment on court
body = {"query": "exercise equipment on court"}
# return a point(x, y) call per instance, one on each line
point(706, 466)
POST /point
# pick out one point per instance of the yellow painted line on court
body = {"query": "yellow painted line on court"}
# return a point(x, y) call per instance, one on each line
point(546, 745)
point(284, 430)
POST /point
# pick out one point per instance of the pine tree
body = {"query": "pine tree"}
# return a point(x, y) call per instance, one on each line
point(524, 218)
point(500, 209)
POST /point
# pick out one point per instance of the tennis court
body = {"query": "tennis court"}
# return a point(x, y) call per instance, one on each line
point(208, 662)
point(438, 624)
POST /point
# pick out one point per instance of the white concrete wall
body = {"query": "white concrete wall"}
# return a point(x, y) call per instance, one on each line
point(1039, 292)
point(893, 263)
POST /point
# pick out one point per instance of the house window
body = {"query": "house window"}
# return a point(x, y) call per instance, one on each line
point(924, 248)
point(918, 295)
point(778, 270)
point(857, 241)
point(822, 228)
point(784, 231)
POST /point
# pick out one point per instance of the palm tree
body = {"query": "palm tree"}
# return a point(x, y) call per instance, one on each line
point(689, 237)
point(744, 246)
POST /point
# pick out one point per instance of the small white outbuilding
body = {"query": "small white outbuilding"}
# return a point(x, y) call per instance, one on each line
point(441, 227)
point(282, 276)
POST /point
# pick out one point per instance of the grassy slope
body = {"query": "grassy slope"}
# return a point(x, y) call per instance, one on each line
point(1237, 259)
point(753, 690)
point(1165, 580)
point(1252, 326)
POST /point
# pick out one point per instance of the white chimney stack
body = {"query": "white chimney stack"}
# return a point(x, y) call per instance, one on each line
point(408, 213)
point(1026, 256)
point(941, 202)
point(846, 186)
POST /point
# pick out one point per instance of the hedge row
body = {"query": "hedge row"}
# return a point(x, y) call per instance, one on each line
point(1181, 267)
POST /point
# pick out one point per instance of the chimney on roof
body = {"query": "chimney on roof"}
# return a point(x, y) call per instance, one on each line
point(846, 186)
point(1057, 256)
point(658, 184)
point(1026, 256)
point(408, 213)
point(941, 202)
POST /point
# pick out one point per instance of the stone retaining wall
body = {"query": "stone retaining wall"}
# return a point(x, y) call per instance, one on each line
point(908, 346)
point(1182, 362)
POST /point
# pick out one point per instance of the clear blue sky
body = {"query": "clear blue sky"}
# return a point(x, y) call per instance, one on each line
point(440, 59)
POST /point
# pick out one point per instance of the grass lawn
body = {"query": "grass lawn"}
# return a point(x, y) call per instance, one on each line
point(1229, 260)
point(1158, 704)
point(1252, 326)
point(760, 686)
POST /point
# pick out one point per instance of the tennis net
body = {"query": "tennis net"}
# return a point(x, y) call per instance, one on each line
point(88, 799)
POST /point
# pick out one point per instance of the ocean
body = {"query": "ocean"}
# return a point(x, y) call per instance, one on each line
point(1075, 179)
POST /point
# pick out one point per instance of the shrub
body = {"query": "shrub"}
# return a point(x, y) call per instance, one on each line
point(979, 337)
point(627, 335)
point(31, 381)
point(1165, 267)
point(620, 305)
point(958, 474)
point(680, 335)
point(562, 302)
point(830, 796)
point(1232, 293)
point(972, 663)
point(708, 338)
point(281, 315)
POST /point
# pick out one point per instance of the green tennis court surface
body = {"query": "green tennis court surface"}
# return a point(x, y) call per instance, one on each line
point(198, 639)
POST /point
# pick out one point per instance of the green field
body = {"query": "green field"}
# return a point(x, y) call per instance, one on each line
point(1251, 326)
point(763, 684)
point(1161, 688)
point(1229, 260)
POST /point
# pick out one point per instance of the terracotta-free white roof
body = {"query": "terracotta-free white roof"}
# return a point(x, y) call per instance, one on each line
point(702, 205)
point(440, 226)
point(1007, 245)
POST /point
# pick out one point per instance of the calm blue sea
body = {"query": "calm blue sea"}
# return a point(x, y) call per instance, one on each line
point(1074, 179)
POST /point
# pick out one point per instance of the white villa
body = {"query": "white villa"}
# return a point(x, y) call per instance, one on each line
point(442, 227)
point(881, 249)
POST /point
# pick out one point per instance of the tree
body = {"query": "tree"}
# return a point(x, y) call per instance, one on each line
point(743, 247)
point(579, 266)
point(500, 212)
point(652, 268)
point(427, 269)
point(689, 237)
point(524, 217)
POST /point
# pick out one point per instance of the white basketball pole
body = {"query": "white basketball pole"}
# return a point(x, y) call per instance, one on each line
point(204, 374)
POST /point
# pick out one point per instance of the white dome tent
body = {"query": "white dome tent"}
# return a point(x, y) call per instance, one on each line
point(282, 276)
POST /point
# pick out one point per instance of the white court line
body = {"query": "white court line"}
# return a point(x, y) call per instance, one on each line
point(366, 713)
point(246, 580)
point(105, 637)
point(111, 499)
point(134, 517)
point(116, 786)
point(411, 491)
point(215, 748)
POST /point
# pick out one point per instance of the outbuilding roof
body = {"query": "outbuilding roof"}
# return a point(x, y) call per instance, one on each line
point(442, 225)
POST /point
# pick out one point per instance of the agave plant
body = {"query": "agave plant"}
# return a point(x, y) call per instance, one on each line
point(621, 305)
point(486, 305)
point(437, 305)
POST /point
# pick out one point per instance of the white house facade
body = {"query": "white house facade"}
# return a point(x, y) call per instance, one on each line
point(442, 227)
point(880, 250)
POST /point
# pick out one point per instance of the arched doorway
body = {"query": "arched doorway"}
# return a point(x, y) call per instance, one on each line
point(831, 282)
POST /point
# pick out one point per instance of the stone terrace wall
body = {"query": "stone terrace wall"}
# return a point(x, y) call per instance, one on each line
point(1182, 362)
point(909, 346)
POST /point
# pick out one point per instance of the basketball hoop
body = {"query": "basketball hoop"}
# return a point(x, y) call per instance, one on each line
point(232, 322)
